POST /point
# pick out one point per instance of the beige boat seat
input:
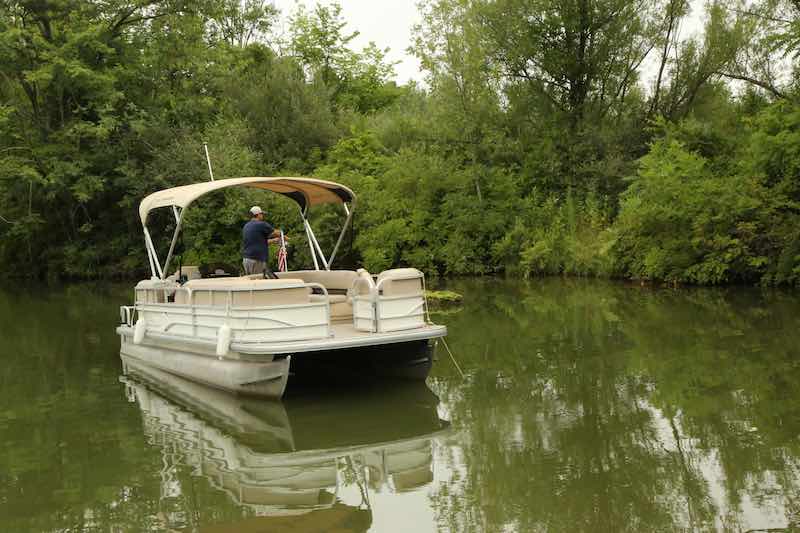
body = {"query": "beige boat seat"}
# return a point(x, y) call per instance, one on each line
point(334, 298)
point(400, 281)
point(242, 283)
point(336, 282)
point(191, 272)
point(395, 301)
point(245, 292)
point(151, 291)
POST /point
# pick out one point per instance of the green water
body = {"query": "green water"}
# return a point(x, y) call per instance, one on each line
point(586, 406)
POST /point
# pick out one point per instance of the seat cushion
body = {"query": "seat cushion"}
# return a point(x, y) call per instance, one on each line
point(246, 292)
point(341, 308)
point(330, 279)
point(399, 273)
point(242, 284)
point(400, 281)
point(334, 298)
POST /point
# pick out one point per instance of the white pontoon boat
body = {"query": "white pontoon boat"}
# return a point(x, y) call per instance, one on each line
point(247, 334)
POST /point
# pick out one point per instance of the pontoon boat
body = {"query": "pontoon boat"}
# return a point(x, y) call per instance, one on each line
point(247, 334)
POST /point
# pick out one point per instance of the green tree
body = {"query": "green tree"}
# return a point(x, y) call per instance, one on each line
point(360, 81)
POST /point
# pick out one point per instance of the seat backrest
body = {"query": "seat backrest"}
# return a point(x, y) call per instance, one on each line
point(189, 271)
point(400, 281)
point(341, 280)
point(363, 285)
point(246, 292)
point(150, 291)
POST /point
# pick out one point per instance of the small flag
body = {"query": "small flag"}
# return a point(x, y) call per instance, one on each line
point(282, 256)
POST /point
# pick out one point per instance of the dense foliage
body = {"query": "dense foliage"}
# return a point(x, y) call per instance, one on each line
point(586, 137)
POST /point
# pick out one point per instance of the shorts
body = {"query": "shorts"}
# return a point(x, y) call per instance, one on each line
point(253, 266)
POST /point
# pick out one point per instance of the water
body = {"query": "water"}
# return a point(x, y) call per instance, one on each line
point(587, 406)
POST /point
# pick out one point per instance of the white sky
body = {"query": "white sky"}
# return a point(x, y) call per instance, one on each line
point(388, 23)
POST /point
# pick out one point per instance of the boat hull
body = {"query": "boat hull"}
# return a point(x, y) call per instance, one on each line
point(402, 360)
point(264, 379)
point(267, 375)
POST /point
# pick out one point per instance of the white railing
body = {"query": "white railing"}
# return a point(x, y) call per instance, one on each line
point(380, 313)
point(126, 315)
point(226, 322)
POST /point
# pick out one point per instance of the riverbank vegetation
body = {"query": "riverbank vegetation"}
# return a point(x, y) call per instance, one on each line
point(588, 137)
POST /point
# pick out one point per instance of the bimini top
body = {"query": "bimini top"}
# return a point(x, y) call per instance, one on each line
point(305, 191)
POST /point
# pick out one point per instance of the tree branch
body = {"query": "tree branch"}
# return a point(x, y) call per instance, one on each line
point(758, 15)
point(126, 19)
point(758, 83)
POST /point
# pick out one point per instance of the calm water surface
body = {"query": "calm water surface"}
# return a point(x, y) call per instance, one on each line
point(587, 406)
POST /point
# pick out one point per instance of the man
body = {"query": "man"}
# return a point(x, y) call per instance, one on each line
point(256, 236)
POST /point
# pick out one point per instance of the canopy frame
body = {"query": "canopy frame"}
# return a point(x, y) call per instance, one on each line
point(304, 191)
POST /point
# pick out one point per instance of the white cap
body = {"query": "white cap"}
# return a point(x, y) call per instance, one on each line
point(255, 210)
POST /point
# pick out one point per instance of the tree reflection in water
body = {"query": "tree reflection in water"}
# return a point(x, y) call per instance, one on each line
point(587, 406)
point(605, 407)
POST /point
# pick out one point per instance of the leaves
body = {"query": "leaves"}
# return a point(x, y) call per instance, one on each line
point(535, 147)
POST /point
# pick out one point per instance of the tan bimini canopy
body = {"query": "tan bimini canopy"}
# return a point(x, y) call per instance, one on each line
point(305, 191)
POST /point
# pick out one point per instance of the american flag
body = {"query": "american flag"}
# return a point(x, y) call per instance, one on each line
point(282, 256)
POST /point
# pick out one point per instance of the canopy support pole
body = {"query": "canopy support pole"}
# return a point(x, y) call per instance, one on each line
point(208, 160)
point(341, 235)
point(172, 244)
point(149, 257)
point(308, 238)
point(152, 250)
point(319, 249)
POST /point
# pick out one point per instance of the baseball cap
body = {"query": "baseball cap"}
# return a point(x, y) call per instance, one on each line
point(255, 210)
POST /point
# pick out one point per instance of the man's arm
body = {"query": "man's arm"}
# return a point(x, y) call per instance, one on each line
point(274, 237)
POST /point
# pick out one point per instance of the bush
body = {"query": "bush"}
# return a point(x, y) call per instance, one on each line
point(678, 222)
point(554, 236)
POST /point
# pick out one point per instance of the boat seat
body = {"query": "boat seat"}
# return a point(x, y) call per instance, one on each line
point(334, 298)
point(245, 292)
point(341, 307)
point(337, 282)
point(400, 281)
point(152, 291)
point(244, 283)
point(330, 279)
point(188, 271)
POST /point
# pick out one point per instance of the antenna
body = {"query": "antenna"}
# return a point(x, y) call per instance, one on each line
point(208, 160)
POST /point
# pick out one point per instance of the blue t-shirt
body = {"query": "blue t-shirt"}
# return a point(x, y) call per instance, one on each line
point(254, 240)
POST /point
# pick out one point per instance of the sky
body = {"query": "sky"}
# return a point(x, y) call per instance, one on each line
point(389, 23)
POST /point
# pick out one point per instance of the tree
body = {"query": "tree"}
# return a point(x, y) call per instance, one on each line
point(240, 22)
point(770, 51)
point(698, 64)
point(360, 81)
point(582, 55)
point(463, 81)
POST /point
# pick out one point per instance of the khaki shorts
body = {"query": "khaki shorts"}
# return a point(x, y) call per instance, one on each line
point(253, 266)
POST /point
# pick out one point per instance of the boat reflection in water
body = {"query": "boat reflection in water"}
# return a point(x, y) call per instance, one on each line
point(284, 464)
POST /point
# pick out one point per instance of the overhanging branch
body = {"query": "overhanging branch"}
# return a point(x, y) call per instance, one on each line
point(758, 83)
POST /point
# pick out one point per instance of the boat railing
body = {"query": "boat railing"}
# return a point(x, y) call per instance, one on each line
point(127, 315)
point(395, 302)
point(228, 313)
